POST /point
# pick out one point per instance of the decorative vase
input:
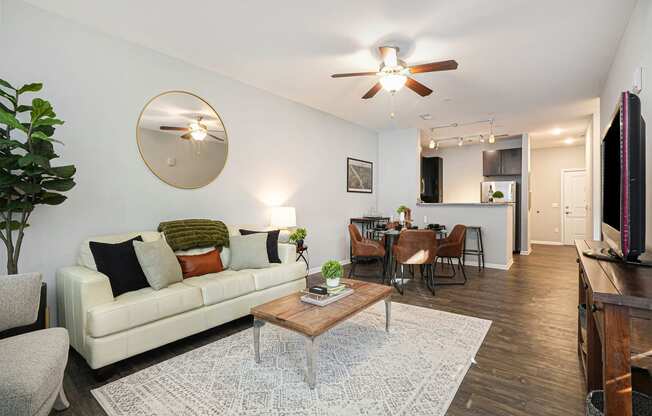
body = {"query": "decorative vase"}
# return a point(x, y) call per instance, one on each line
point(333, 282)
point(499, 200)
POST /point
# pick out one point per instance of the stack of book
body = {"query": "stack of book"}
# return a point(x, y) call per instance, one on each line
point(332, 294)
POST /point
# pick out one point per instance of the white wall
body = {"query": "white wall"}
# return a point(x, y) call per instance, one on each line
point(280, 152)
point(463, 168)
point(546, 189)
point(399, 169)
point(634, 51)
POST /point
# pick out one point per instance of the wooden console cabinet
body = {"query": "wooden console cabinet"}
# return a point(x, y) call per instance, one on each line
point(617, 331)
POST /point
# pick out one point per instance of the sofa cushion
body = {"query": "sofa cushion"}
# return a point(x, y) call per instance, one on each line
point(140, 307)
point(272, 243)
point(225, 254)
point(158, 262)
point(248, 251)
point(277, 274)
point(119, 262)
point(200, 264)
point(85, 257)
point(218, 287)
point(32, 369)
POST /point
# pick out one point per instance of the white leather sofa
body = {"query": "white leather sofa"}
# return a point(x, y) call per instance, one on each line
point(104, 329)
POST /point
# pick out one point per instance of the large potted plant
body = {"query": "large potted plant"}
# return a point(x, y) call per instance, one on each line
point(27, 175)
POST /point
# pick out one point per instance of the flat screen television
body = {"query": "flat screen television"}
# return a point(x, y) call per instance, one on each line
point(623, 180)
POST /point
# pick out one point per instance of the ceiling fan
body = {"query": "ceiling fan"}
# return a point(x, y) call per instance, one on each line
point(196, 130)
point(393, 73)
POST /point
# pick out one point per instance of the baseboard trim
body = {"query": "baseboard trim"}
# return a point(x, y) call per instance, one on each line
point(525, 252)
point(491, 265)
point(547, 243)
point(316, 270)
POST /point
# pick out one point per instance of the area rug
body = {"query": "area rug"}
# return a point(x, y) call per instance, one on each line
point(415, 369)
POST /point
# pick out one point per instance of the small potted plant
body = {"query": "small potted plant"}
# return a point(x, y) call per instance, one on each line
point(498, 196)
point(298, 236)
point(401, 213)
point(332, 272)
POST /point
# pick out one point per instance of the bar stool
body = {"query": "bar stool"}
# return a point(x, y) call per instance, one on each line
point(479, 247)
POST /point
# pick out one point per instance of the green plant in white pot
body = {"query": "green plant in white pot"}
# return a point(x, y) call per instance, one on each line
point(498, 196)
point(332, 272)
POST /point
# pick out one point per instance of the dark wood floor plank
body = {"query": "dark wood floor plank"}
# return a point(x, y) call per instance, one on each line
point(528, 364)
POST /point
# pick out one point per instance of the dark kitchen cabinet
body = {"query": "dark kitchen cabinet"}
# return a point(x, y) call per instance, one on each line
point(491, 163)
point(510, 161)
point(432, 179)
point(505, 162)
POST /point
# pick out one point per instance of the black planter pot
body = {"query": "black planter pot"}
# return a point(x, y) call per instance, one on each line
point(41, 319)
point(299, 243)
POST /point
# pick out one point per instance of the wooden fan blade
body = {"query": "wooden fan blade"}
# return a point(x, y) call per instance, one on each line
point(353, 74)
point(418, 87)
point(219, 139)
point(434, 66)
point(187, 136)
point(373, 91)
point(174, 128)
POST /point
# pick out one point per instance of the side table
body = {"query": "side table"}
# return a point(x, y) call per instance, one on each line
point(301, 251)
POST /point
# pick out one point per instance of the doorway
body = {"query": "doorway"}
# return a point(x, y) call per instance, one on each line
point(573, 204)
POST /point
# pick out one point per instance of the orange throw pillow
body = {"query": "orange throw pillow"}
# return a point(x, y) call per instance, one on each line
point(200, 264)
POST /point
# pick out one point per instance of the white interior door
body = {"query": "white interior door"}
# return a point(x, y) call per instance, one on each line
point(573, 205)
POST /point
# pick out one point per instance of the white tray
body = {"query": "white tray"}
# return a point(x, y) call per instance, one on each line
point(323, 302)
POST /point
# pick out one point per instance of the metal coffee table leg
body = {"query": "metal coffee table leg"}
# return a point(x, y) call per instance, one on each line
point(311, 353)
point(257, 325)
point(388, 312)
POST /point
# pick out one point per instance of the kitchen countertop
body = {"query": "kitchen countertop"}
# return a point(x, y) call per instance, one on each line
point(483, 204)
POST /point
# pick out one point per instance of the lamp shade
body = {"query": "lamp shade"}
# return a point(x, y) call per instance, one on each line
point(283, 217)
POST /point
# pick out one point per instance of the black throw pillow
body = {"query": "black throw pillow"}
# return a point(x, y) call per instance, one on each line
point(120, 264)
point(272, 243)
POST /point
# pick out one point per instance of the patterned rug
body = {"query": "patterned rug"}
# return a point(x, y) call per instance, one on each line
point(415, 369)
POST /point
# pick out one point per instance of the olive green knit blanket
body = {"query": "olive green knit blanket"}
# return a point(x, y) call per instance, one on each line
point(187, 234)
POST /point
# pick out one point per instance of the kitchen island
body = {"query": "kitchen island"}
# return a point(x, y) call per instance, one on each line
point(495, 219)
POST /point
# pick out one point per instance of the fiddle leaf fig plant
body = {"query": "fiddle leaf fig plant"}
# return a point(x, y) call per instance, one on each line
point(27, 176)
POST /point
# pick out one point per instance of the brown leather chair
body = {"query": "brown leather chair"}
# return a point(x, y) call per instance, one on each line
point(449, 248)
point(415, 247)
point(364, 249)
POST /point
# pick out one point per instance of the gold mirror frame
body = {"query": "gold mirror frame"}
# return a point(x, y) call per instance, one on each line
point(140, 145)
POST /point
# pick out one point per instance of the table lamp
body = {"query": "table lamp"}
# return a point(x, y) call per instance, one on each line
point(284, 217)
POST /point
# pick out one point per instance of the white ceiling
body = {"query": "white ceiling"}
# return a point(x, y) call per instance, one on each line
point(529, 64)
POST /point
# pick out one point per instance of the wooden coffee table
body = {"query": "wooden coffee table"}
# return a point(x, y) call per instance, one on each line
point(311, 321)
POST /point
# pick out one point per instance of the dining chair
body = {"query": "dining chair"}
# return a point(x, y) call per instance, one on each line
point(364, 249)
point(415, 247)
point(449, 248)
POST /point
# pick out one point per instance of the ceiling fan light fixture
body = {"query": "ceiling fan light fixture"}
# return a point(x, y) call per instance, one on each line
point(197, 131)
point(393, 82)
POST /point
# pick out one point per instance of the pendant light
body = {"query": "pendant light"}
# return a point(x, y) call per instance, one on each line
point(431, 145)
point(492, 138)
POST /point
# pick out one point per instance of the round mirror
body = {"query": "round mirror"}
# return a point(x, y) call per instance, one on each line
point(182, 139)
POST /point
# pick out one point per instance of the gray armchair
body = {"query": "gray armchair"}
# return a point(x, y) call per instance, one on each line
point(32, 364)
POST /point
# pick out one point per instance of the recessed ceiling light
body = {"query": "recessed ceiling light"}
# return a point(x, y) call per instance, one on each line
point(426, 116)
point(556, 131)
point(569, 140)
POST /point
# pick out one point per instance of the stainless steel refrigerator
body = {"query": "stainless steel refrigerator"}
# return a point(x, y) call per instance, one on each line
point(510, 190)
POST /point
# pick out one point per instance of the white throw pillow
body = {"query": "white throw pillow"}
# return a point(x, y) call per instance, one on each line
point(159, 264)
point(248, 251)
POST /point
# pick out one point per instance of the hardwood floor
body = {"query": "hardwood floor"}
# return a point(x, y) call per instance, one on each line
point(528, 364)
